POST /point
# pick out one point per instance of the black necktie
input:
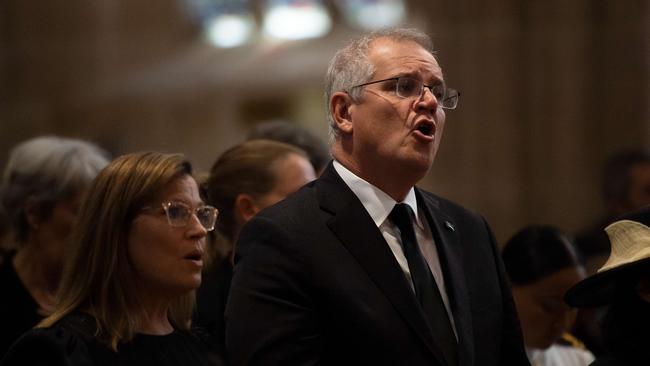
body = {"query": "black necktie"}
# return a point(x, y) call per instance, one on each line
point(426, 289)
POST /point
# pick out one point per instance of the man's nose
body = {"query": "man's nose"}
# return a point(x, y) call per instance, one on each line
point(427, 100)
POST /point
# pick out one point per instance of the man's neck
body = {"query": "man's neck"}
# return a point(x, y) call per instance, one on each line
point(393, 181)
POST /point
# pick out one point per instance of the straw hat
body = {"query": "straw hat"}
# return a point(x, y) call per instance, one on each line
point(630, 254)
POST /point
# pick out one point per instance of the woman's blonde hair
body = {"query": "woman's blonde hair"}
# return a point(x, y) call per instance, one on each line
point(98, 276)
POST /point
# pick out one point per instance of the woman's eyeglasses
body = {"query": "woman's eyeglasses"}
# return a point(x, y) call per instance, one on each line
point(179, 214)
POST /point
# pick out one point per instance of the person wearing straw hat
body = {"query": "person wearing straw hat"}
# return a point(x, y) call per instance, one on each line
point(622, 283)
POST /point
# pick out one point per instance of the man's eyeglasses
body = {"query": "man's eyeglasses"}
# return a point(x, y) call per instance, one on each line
point(407, 87)
point(179, 214)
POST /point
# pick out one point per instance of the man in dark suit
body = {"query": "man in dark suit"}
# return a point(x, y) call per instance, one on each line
point(359, 267)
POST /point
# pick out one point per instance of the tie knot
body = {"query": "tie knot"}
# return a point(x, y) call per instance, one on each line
point(401, 216)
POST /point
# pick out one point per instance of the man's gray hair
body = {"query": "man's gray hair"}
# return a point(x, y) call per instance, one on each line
point(350, 65)
point(49, 169)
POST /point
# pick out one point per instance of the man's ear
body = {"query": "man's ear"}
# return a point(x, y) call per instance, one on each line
point(342, 106)
point(245, 208)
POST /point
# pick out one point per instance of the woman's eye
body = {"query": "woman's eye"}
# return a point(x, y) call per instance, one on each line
point(552, 306)
point(176, 211)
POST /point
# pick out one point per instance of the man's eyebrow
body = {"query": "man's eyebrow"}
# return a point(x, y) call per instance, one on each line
point(409, 74)
point(435, 81)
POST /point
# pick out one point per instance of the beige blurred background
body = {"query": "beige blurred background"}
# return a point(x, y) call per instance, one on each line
point(549, 90)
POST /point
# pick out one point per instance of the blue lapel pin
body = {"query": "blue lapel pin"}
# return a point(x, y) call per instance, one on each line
point(450, 226)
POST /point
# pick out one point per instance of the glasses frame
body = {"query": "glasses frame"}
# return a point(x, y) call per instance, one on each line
point(450, 94)
point(165, 209)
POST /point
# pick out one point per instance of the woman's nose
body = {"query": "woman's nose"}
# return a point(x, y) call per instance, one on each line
point(195, 228)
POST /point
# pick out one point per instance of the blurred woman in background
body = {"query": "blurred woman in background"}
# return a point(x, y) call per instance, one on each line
point(542, 265)
point(41, 191)
point(126, 297)
point(245, 179)
point(293, 134)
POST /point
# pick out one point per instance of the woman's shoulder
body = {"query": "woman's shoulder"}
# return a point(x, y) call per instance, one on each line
point(64, 343)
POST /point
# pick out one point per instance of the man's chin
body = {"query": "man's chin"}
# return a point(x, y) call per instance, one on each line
point(417, 166)
point(422, 159)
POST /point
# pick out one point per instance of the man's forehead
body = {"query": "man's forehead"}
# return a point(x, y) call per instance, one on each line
point(402, 57)
point(387, 44)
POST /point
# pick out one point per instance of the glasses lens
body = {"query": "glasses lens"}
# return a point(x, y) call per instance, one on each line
point(438, 91)
point(177, 213)
point(408, 87)
point(207, 216)
point(450, 101)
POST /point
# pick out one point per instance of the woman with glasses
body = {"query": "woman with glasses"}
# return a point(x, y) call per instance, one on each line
point(127, 292)
point(542, 265)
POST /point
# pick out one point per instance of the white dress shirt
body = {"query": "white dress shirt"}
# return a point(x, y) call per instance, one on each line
point(379, 205)
point(559, 355)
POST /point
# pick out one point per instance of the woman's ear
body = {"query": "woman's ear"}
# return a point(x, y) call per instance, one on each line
point(342, 107)
point(33, 213)
point(245, 208)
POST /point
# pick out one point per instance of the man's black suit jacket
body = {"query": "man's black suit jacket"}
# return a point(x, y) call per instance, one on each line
point(316, 283)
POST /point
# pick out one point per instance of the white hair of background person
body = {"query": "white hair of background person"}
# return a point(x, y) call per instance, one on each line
point(48, 169)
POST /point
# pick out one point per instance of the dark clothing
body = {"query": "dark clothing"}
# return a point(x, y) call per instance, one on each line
point(316, 283)
point(18, 309)
point(629, 360)
point(70, 342)
point(594, 247)
point(211, 299)
point(626, 329)
point(594, 241)
point(611, 361)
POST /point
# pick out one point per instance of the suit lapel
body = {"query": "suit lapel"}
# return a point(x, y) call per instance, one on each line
point(449, 251)
point(354, 227)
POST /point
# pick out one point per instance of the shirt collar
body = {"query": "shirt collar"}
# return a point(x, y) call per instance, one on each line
point(374, 200)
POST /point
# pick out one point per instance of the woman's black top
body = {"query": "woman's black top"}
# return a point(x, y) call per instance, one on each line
point(18, 309)
point(211, 298)
point(70, 342)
